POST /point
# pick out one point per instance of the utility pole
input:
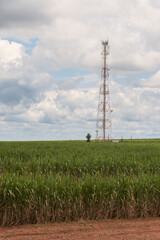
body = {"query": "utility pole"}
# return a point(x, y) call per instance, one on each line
point(104, 123)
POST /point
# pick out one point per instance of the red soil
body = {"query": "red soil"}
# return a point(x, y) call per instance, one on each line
point(141, 229)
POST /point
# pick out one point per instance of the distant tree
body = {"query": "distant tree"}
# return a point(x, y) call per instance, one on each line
point(88, 137)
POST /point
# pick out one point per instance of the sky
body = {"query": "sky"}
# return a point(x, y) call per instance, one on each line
point(50, 68)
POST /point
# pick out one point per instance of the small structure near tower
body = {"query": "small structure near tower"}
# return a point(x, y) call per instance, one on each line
point(104, 123)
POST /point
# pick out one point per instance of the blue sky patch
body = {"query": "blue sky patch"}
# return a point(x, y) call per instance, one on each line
point(28, 46)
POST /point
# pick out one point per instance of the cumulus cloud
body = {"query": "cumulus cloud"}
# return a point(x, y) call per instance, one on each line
point(10, 53)
point(55, 85)
point(71, 36)
point(22, 13)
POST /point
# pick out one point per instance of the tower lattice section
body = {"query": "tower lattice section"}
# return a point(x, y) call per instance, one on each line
point(104, 123)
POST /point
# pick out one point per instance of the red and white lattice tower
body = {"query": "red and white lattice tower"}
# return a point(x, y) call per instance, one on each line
point(104, 123)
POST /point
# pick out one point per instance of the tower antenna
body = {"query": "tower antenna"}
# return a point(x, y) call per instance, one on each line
point(104, 123)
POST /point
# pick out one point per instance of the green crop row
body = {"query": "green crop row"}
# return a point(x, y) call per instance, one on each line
point(50, 199)
point(80, 158)
point(71, 180)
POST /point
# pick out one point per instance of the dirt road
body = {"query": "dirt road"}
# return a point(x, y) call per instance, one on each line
point(141, 229)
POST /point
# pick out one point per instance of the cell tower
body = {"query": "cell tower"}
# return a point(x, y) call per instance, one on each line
point(104, 123)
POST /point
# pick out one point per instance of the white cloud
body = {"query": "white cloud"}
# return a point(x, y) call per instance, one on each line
point(10, 53)
point(69, 34)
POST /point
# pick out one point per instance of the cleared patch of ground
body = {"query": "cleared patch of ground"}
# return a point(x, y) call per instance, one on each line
point(139, 229)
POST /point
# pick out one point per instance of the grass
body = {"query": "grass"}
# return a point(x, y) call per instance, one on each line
point(70, 180)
